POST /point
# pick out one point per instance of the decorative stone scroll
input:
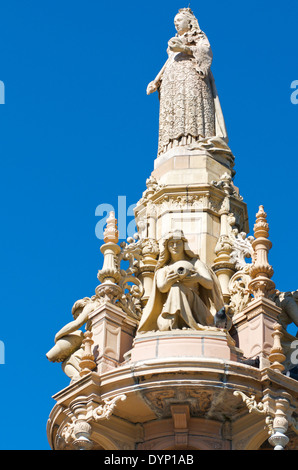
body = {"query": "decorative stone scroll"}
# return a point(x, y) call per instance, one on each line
point(239, 292)
point(106, 410)
point(226, 184)
point(251, 403)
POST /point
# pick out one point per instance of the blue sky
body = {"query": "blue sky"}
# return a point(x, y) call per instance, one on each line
point(77, 130)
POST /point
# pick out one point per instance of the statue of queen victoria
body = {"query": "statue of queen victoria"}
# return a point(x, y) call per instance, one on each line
point(190, 110)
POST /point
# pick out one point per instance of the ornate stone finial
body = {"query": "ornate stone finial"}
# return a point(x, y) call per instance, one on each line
point(111, 234)
point(261, 271)
point(110, 271)
point(87, 362)
point(261, 227)
point(277, 356)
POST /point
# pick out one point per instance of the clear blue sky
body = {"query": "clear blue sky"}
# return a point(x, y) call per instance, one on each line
point(78, 130)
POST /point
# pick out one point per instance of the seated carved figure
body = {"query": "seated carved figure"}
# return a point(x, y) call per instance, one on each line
point(185, 292)
point(68, 340)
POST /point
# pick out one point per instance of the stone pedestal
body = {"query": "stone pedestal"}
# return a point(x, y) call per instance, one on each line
point(113, 335)
point(183, 165)
point(184, 343)
point(187, 196)
point(253, 329)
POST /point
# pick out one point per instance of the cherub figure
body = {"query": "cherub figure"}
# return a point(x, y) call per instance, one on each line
point(68, 340)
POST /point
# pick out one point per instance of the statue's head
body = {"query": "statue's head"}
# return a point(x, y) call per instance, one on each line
point(186, 21)
point(176, 246)
point(79, 306)
point(172, 243)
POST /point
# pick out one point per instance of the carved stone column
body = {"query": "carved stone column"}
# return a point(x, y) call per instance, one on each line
point(223, 266)
point(277, 356)
point(280, 423)
point(87, 361)
point(150, 252)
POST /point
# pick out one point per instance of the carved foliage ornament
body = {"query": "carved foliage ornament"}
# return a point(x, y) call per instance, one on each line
point(239, 293)
point(251, 403)
point(278, 416)
point(77, 431)
point(106, 410)
point(226, 185)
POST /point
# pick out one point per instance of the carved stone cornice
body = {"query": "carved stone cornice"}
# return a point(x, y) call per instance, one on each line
point(207, 197)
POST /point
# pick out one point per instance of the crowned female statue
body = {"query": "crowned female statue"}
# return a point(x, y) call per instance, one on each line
point(190, 110)
point(185, 292)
